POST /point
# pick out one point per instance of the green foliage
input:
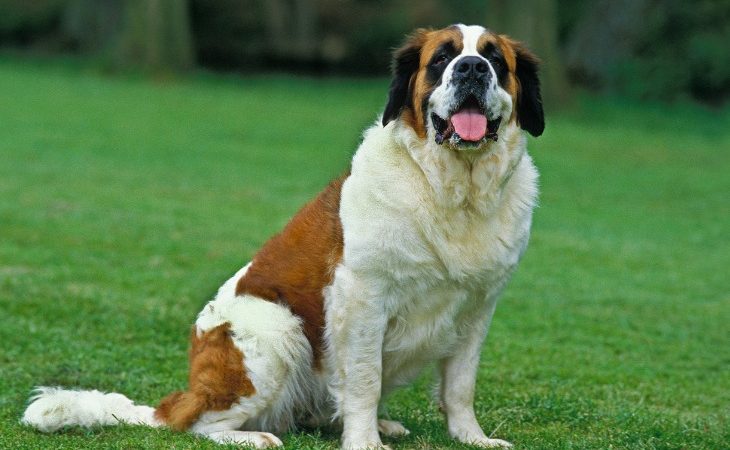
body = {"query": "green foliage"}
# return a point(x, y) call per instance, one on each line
point(681, 52)
point(347, 36)
point(678, 48)
point(569, 14)
point(155, 35)
point(124, 203)
point(23, 21)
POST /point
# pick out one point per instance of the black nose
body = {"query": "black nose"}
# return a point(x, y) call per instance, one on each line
point(471, 67)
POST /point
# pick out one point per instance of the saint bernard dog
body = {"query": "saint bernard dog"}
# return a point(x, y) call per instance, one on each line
point(393, 268)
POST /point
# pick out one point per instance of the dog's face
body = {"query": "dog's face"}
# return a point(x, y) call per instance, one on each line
point(458, 85)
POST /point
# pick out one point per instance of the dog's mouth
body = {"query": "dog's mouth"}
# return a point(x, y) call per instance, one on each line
point(467, 126)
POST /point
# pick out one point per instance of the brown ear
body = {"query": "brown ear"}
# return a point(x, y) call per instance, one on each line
point(405, 64)
point(530, 115)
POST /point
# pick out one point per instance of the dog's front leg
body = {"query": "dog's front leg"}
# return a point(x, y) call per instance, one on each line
point(458, 380)
point(356, 322)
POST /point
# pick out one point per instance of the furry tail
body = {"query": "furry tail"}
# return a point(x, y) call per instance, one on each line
point(53, 408)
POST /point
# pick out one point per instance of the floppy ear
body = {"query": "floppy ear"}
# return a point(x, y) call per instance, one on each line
point(405, 64)
point(530, 116)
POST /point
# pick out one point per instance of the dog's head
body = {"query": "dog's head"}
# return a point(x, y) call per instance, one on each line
point(458, 85)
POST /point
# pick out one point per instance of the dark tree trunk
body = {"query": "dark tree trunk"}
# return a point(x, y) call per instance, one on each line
point(153, 34)
point(535, 23)
point(291, 28)
point(156, 35)
point(603, 36)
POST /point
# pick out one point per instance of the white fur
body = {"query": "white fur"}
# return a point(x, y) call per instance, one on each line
point(392, 428)
point(470, 38)
point(54, 408)
point(255, 439)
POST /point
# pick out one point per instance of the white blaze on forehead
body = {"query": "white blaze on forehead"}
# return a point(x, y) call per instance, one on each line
point(471, 35)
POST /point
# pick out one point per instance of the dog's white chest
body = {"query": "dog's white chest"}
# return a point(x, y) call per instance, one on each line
point(438, 286)
point(465, 248)
point(432, 248)
point(424, 219)
point(424, 329)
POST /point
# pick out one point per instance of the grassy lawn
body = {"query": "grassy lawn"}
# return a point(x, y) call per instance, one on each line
point(124, 203)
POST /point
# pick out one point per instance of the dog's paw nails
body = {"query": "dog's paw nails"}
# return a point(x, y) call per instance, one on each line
point(255, 439)
point(492, 443)
point(391, 428)
point(369, 446)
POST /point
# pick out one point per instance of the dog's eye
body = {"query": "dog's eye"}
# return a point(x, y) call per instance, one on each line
point(497, 63)
point(441, 59)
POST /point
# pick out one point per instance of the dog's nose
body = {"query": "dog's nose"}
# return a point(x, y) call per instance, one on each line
point(471, 67)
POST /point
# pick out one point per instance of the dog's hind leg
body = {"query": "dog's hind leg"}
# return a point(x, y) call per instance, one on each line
point(250, 368)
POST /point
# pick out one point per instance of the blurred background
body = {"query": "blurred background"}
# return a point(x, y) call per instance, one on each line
point(656, 49)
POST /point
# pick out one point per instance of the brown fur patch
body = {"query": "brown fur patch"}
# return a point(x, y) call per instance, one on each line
point(512, 50)
point(216, 381)
point(415, 42)
point(294, 266)
point(506, 45)
point(486, 38)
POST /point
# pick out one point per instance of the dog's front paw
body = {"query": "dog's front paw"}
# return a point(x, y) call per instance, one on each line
point(468, 431)
point(363, 444)
point(255, 439)
point(366, 446)
point(477, 438)
point(392, 428)
point(490, 443)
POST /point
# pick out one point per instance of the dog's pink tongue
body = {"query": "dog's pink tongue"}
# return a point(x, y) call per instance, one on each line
point(470, 124)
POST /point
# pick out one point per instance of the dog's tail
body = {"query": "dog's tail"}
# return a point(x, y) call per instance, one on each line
point(53, 408)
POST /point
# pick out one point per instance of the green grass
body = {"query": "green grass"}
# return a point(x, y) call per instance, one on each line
point(124, 203)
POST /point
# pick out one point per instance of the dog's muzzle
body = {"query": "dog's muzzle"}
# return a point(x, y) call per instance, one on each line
point(467, 123)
